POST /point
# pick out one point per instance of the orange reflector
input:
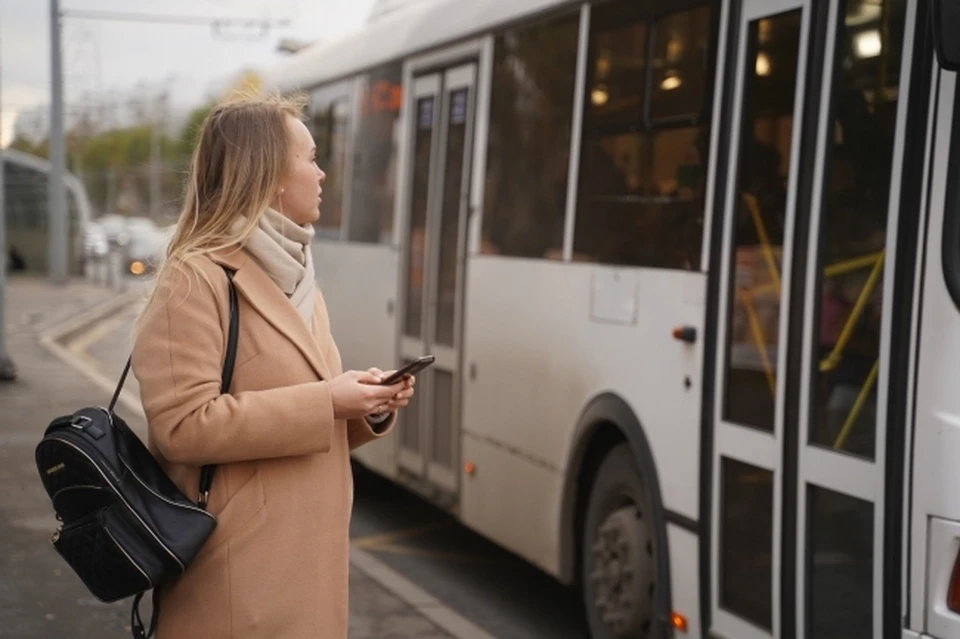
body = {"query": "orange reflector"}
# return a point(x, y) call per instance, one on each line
point(953, 594)
point(685, 334)
point(469, 468)
point(678, 621)
point(136, 268)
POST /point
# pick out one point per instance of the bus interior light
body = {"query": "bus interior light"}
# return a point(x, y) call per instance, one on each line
point(671, 82)
point(599, 95)
point(868, 44)
point(763, 64)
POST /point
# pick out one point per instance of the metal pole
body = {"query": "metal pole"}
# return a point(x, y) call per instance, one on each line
point(7, 370)
point(57, 247)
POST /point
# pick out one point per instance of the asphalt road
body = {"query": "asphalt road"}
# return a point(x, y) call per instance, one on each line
point(499, 592)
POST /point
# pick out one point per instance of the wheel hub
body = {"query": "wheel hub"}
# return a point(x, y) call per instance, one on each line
point(622, 574)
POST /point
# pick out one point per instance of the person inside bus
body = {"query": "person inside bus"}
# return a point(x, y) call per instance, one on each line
point(277, 563)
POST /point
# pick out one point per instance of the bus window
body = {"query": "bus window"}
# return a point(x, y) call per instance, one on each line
point(531, 113)
point(640, 199)
point(375, 155)
point(329, 112)
point(766, 144)
point(853, 223)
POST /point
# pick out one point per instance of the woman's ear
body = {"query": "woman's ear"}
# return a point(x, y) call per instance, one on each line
point(277, 204)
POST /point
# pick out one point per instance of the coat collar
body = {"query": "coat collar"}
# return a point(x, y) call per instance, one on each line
point(270, 302)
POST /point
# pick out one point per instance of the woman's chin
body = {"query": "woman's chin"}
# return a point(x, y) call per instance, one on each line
point(303, 219)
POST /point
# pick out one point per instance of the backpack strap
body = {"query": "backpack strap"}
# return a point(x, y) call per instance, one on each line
point(136, 621)
point(206, 473)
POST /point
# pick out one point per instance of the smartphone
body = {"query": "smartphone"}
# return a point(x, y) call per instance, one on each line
point(412, 368)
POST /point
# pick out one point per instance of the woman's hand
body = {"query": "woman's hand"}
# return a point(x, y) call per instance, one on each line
point(358, 394)
point(401, 398)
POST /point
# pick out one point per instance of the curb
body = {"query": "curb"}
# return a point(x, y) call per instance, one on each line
point(126, 400)
point(80, 322)
point(416, 597)
point(75, 326)
point(390, 580)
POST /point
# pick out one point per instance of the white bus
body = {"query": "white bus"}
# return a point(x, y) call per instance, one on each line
point(691, 274)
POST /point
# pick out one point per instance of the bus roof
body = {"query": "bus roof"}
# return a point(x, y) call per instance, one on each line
point(409, 30)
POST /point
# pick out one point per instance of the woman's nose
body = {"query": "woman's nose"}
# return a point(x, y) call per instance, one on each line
point(321, 175)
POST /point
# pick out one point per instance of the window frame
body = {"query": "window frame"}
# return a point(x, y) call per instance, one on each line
point(329, 94)
point(580, 14)
point(360, 83)
point(644, 125)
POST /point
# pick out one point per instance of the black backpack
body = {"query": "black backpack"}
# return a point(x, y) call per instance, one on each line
point(126, 527)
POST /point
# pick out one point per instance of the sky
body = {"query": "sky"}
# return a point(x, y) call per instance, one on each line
point(115, 61)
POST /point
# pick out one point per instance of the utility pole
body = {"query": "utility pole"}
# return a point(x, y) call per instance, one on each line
point(8, 372)
point(57, 198)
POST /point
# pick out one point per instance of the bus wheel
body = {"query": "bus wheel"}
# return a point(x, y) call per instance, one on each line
point(619, 570)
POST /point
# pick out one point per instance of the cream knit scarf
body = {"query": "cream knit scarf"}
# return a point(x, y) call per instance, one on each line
point(282, 249)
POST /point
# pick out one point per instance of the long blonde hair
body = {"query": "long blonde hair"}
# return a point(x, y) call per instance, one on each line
point(240, 157)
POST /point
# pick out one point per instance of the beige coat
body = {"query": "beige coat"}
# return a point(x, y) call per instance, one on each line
point(276, 565)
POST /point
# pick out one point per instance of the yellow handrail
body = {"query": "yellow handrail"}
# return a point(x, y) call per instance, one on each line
point(830, 361)
point(761, 229)
point(758, 339)
point(857, 406)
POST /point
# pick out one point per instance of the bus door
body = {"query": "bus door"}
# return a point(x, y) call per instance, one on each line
point(806, 290)
point(440, 128)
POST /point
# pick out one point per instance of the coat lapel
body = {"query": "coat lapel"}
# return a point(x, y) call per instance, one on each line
point(270, 302)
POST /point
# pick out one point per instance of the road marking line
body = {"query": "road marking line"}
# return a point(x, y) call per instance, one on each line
point(436, 554)
point(62, 330)
point(373, 541)
point(97, 332)
point(51, 341)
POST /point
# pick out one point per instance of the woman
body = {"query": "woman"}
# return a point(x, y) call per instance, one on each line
point(277, 563)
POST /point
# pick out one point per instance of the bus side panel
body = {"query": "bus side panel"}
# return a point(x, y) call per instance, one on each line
point(936, 473)
point(542, 338)
point(935, 533)
point(362, 321)
point(512, 501)
point(685, 576)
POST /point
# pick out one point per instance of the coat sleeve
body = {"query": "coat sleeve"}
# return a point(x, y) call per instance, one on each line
point(178, 358)
point(360, 431)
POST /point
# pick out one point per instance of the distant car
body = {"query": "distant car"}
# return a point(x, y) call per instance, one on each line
point(146, 248)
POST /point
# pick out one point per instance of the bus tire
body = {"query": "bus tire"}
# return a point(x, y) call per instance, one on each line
point(619, 551)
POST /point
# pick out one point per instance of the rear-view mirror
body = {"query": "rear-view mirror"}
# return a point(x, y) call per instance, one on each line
point(946, 33)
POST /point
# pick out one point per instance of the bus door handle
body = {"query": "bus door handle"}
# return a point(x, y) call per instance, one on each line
point(686, 334)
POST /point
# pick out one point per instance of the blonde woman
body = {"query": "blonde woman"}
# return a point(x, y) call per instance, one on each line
point(276, 565)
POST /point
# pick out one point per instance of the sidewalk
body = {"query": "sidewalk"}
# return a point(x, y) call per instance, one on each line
point(39, 596)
